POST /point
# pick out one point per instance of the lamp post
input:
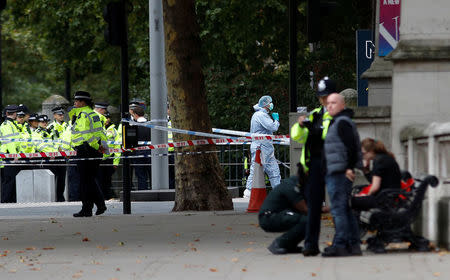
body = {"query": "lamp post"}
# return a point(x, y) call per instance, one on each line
point(2, 7)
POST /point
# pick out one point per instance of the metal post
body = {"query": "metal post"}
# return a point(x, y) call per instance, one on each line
point(158, 95)
point(126, 187)
point(293, 55)
point(432, 194)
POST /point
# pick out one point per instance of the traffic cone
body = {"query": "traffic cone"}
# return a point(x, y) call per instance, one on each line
point(258, 193)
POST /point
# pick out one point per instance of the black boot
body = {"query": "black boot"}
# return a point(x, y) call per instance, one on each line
point(82, 213)
point(100, 210)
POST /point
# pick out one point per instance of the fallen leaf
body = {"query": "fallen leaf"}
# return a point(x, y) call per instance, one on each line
point(114, 230)
point(299, 261)
point(229, 228)
point(213, 269)
point(117, 269)
point(86, 239)
point(244, 233)
point(249, 250)
point(77, 233)
point(30, 248)
point(436, 274)
point(20, 252)
point(194, 249)
point(121, 243)
point(244, 270)
point(35, 269)
point(235, 260)
point(328, 243)
point(313, 274)
point(213, 225)
point(285, 258)
point(196, 240)
point(228, 242)
point(138, 261)
point(12, 271)
point(177, 234)
point(77, 275)
point(30, 264)
point(5, 238)
point(251, 242)
point(48, 248)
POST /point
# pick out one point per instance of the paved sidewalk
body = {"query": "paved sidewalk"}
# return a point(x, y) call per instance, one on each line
point(194, 245)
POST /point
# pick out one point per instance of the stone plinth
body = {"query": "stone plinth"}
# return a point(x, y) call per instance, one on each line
point(35, 186)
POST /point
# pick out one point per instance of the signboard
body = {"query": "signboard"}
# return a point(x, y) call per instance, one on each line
point(389, 26)
point(365, 52)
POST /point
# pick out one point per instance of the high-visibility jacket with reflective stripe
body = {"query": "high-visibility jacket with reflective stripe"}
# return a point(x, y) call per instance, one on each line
point(87, 128)
point(300, 134)
point(56, 129)
point(65, 138)
point(9, 129)
point(112, 135)
point(45, 147)
point(26, 133)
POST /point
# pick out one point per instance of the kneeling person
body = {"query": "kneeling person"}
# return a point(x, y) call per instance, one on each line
point(284, 210)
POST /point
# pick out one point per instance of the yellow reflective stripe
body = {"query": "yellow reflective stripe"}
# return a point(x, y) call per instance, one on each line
point(88, 131)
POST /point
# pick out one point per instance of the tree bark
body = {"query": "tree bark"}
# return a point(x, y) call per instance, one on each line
point(200, 183)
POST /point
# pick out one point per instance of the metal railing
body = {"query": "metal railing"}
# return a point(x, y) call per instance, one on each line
point(231, 158)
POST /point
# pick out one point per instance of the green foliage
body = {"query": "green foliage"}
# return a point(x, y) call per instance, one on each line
point(245, 48)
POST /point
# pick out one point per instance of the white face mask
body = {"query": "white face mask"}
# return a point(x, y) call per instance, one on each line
point(270, 106)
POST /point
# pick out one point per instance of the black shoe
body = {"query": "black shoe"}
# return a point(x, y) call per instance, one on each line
point(335, 252)
point(82, 214)
point(311, 252)
point(275, 248)
point(355, 250)
point(100, 210)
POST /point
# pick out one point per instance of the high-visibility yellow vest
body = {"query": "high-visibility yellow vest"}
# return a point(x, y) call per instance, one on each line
point(300, 135)
point(113, 135)
point(26, 134)
point(87, 128)
point(10, 129)
point(56, 129)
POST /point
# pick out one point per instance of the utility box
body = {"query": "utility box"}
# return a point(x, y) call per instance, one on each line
point(36, 185)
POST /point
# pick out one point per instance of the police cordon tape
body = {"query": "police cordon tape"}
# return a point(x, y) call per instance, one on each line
point(147, 147)
point(221, 140)
point(251, 136)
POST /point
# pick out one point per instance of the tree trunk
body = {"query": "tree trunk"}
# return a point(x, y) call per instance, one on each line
point(200, 183)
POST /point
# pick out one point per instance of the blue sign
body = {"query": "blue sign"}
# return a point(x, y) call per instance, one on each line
point(365, 52)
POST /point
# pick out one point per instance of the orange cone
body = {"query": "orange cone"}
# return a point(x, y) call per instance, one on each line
point(258, 193)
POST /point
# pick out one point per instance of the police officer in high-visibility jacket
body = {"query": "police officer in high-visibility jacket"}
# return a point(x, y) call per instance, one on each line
point(56, 129)
point(89, 141)
point(311, 132)
point(110, 161)
point(9, 129)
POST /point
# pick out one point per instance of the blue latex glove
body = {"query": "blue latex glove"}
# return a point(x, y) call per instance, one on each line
point(276, 116)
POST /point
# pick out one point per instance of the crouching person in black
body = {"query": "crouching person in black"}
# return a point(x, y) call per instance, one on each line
point(284, 210)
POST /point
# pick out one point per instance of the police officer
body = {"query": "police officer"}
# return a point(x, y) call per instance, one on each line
point(9, 129)
point(311, 132)
point(89, 141)
point(42, 129)
point(56, 129)
point(110, 161)
point(284, 210)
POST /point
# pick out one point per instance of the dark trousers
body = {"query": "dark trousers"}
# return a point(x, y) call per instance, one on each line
point(315, 195)
point(60, 175)
point(9, 183)
point(290, 222)
point(90, 192)
point(104, 177)
point(143, 170)
point(74, 183)
point(171, 171)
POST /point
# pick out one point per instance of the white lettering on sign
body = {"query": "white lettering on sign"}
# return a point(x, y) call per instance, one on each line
point(391, 2)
